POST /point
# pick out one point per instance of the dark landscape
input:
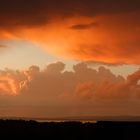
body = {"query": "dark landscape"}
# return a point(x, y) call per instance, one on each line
point(70, 129)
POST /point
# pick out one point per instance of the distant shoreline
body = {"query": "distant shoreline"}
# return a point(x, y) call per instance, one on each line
point(85, 119)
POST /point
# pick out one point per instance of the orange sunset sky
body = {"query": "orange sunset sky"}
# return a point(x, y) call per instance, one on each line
point(69, 58)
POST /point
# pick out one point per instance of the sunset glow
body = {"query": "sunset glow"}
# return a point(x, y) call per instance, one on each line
point(74, 58)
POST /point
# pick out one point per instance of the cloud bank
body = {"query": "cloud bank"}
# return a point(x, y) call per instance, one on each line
point(54, 90)
point(54, 80)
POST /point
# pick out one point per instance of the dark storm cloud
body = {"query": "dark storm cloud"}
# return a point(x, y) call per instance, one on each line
point(15, 13)
point(83, 26)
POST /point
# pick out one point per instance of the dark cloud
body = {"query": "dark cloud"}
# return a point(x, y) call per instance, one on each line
point(83, 26)
point(38, 12)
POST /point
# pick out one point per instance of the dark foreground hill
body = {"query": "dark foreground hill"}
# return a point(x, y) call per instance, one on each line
point(21, 129)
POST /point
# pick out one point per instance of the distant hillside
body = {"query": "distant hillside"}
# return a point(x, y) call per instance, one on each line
point(70, 130)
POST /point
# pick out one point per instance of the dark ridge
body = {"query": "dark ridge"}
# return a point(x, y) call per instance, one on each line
point(70, 130)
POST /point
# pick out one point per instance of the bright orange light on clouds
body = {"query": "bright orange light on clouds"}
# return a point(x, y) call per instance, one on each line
point(8, 86)
point(106, 38)
point(106, 32)
point(12, 82)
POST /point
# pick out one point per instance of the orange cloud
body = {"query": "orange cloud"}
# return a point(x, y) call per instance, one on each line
point(117, 88)
point(8, 85)
point(54, 81)
point(85, 90)
point(11, 82)
point(71, 92)
point(98, 31)
point(112, 39)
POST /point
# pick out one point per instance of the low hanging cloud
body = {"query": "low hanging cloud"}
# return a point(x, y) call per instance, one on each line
point(54, 81)
point(36, 92)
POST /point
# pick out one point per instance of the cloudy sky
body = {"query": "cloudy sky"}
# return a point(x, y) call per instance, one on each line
point(69, 58)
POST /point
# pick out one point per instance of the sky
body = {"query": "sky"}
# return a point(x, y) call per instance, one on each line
point(63, 58)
